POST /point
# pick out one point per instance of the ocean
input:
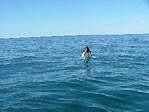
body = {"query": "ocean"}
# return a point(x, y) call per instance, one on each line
point(48, 74)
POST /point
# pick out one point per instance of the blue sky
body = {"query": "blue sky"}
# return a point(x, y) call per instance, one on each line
point(24, 18)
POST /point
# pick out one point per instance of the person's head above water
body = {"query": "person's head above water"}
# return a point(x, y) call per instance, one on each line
point(86, 49)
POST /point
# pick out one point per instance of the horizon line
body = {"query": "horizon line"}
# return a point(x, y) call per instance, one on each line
point(73, 35)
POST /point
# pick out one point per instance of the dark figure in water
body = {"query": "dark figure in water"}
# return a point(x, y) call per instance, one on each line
point(86, 54)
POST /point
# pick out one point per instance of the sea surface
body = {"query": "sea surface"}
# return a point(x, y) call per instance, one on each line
point(47, 74)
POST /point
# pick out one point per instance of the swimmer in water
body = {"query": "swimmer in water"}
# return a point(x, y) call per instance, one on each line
point(86, 53)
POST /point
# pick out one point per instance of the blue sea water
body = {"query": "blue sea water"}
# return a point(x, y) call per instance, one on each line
point(47, 74)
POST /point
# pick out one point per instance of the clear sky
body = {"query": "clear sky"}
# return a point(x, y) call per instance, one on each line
point(23, 18)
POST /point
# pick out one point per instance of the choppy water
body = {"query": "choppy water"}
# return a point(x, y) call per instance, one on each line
point(47, 74)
